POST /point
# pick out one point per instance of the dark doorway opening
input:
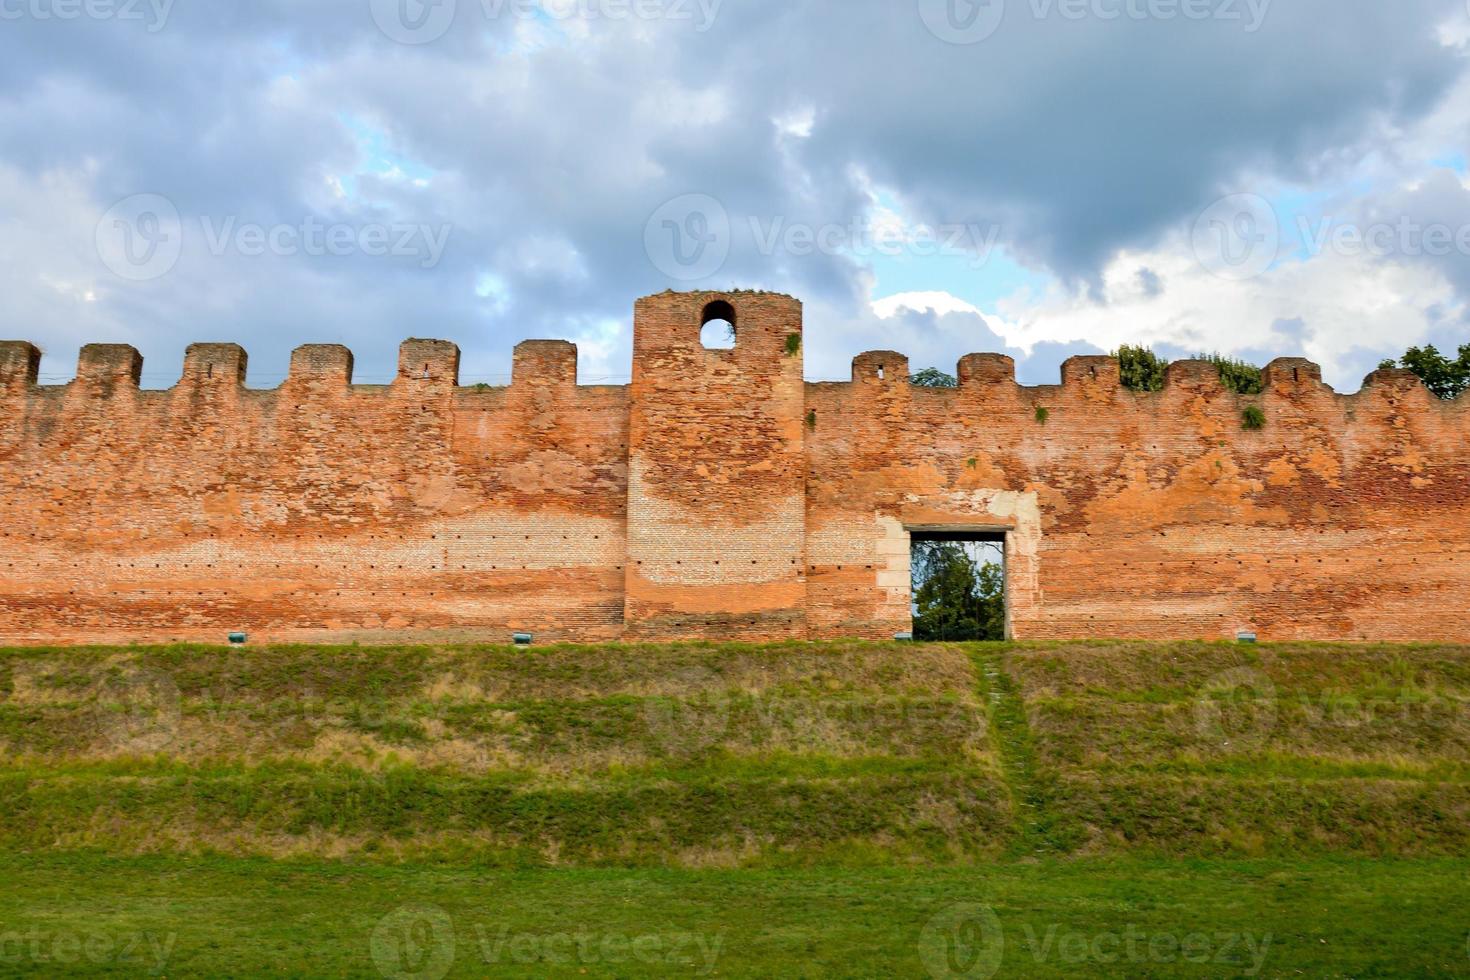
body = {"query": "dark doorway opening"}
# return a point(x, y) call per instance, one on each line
point(958, 585)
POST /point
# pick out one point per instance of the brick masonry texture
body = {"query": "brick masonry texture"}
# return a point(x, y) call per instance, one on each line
point(718, 495)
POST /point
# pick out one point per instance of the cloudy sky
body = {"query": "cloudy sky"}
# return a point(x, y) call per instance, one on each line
point(1042, 177)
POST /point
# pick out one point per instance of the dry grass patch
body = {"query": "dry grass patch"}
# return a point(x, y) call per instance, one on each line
point(476, 709)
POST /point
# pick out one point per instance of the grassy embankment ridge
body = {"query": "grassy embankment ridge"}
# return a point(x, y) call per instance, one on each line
point(711, 756)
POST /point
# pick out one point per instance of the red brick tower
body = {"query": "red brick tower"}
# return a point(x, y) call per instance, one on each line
point(716, 469)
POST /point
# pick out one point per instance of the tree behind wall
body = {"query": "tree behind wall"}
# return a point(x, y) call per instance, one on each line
point(933, 378)
point(1241, 377)
point(1140, 368)
point(957, 597)
point(1440, 374)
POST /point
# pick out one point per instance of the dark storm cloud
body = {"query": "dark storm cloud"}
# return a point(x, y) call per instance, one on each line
point(548, 143)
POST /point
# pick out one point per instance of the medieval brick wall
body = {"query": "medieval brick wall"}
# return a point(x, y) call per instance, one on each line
point(1149, 514)
point(717, 495)
point(318, 510)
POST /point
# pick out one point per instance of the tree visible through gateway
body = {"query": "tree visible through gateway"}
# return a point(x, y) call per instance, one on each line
point(958, 583)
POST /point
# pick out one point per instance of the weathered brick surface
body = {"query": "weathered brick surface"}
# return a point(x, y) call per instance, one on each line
point(716, 470)
point(718, 494)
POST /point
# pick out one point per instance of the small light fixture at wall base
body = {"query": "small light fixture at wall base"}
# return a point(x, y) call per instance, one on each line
point(521, 639)
point(1245, 636)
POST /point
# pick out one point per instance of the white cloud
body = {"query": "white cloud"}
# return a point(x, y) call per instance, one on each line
point(933, 301)
point(1352, 310)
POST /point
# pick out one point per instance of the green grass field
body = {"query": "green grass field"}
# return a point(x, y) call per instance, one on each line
point(1140, 917)
point(852, 808)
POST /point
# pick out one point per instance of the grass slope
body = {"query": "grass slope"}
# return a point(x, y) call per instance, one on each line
point(691, 755)
point(728, 755)
point(1213, 748)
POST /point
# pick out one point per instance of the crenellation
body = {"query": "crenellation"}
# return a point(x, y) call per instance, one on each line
point(719, 494)
point(1292, 374)
point(986, 370)
point(1193, 376)
point(428, 363)
point(1092, 370)
point(1393, 382)
point(883, 366)
point(102, 369)
point(214, 366)
point(320, 367)
point(20, 365)
point(545, 363)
